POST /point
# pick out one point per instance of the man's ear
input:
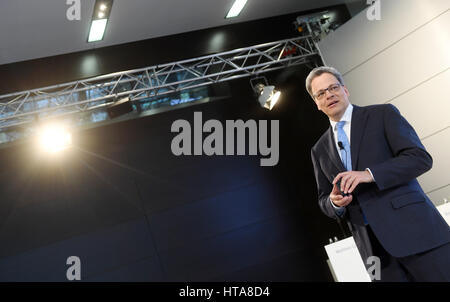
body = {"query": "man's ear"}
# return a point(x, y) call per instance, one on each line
point(346, 91)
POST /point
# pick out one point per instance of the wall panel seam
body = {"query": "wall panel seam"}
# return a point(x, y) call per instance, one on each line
point(432, 134)
point(402, 38)
point(417, 85)
point(437, 189)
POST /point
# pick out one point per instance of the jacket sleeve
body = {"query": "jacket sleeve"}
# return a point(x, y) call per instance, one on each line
point(324, 189)
point(410, 159)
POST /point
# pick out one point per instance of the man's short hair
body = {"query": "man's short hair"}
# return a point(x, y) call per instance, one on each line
point(320, 70)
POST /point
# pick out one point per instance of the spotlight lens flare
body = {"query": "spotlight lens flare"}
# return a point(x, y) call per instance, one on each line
point(53, 139)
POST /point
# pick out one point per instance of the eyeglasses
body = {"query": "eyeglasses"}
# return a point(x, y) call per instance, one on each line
point(332, 88)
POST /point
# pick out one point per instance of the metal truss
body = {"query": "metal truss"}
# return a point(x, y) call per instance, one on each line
point(103, 91)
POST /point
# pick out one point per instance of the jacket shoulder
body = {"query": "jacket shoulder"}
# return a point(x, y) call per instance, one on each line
point(322, 140)
point(378, 108)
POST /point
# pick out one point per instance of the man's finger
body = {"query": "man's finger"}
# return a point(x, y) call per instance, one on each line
point(335, 189)
point(344, 181)
point(345, 185)
point(353, 187)
point(335, 180)
point(336, 197)
point(346, 200)
point(335, 192)
point(349, 183)
point(341, 179)
point(339, 176)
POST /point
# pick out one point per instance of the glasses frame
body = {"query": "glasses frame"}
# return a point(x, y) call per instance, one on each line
point(330, 88)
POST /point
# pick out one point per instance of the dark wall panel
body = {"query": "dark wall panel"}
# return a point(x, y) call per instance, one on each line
point(283, 268)
point(250, 245)
point(192, 218)
point(124, 247)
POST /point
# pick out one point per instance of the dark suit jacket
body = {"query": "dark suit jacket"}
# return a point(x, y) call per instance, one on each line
point(401, 216)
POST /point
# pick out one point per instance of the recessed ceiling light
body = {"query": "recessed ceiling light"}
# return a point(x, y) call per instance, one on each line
point(97, 30)
point(100, 18)
point(236, 8)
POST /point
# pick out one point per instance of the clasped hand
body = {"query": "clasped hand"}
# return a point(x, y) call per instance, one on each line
point(349, 181)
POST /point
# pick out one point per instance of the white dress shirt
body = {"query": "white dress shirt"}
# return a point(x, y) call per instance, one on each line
point(347, 117)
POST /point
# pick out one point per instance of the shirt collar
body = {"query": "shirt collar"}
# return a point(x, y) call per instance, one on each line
point(347, 117)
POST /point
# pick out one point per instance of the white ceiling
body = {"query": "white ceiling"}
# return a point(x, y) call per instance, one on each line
point(31, 29)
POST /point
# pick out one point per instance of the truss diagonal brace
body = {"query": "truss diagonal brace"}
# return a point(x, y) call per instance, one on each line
point(83, 95)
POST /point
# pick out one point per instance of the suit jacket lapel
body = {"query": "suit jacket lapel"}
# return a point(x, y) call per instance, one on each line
point(332, 151)
point(359, 121)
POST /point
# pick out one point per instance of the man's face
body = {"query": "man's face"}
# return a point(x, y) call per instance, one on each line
point(332, 103)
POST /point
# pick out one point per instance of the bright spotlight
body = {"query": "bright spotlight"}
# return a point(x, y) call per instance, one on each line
point(268, 96)
point(54, 138)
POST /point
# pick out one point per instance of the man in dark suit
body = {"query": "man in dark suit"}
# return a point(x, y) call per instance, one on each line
point(374, 155)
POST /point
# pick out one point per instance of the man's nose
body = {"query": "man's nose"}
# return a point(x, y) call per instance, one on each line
point(328, 94)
